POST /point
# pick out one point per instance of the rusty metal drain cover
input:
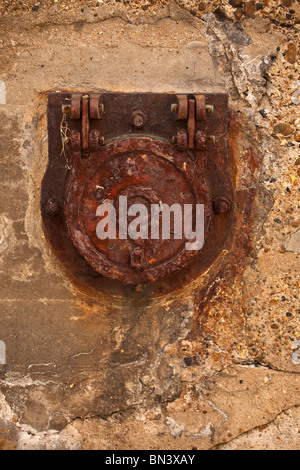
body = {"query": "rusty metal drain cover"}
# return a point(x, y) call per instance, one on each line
point(147, 172)
point(155, 150)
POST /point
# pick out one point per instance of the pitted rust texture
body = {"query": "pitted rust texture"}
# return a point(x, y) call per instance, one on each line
point(148, 172)
point(181, 157)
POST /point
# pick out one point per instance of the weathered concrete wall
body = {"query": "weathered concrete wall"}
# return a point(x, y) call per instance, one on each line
point(213, 366)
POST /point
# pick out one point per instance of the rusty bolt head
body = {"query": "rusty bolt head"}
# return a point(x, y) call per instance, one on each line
point(53, 207)
point(138, 119)
point(222, 205)
point(99, 193)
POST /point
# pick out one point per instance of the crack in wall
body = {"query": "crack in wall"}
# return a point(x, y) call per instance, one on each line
point(259, 427)
point(209, 431)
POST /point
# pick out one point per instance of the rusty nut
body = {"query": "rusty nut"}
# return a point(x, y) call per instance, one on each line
point(138, 119)
point(222, 205)
point(53, 207)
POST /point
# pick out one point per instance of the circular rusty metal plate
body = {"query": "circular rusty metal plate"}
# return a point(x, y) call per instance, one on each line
point(146, 171)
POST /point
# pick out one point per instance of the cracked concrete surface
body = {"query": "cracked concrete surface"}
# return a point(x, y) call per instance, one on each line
point(214, 367)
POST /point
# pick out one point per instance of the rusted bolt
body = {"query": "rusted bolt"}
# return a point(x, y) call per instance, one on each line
point(137, 258)
point(222, 205)
point(99, 193)
point(53, 207)
point(138, 119)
